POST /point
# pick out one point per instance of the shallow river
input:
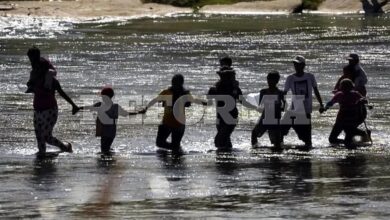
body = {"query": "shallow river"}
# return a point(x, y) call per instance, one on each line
point(138, 57)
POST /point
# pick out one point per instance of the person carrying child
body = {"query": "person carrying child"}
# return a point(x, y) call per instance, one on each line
point(349, 73)
point(359, 76)
point(175, 99)
point(227, 93)
point(273, 100)
point(40, 67)
point(107, 116)
point(350, 114)
point(45, 106)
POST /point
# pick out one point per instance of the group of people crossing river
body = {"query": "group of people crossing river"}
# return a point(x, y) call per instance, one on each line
point(349, 93)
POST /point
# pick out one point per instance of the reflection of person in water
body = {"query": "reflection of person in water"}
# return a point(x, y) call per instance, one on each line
point(302, 171)
point(289, 175)
point(44, 175)
point(353, 169)
point(226, 163)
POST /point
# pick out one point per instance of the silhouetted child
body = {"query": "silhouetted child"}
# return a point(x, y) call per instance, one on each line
point(40, 66)
point(350, 114)
point(107, 115)
point(227, 93)
point(175, 99)
point(273, 100)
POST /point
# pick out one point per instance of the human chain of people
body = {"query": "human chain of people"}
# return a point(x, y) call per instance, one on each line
point(277, 117)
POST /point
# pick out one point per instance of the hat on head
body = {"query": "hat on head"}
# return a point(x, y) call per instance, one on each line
point(353, 56)
point(107, 91)
point(299, 59)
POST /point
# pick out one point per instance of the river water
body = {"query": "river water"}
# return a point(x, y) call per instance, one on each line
point(138, 57)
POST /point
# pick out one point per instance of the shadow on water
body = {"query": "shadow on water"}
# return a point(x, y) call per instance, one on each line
point(106, 163)
point(174, 166)
point(170, 161)
point(100, 204)
point(302, 170)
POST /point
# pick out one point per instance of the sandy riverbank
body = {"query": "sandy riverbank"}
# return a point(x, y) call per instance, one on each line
point(128, 8)
point(91, 8)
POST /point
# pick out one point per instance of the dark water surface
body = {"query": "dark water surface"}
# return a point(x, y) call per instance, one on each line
point(138, 57)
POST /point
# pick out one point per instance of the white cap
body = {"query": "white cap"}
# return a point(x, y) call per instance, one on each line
point(299, 59)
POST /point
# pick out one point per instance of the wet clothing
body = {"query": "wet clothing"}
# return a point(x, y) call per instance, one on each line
point(176, 133)
point(44, 122)
point(222, 139)
point(301, 88)
point(349, 130)
point(106, 122)
point(360, 79)
point(170, 99)
point(174, 101)
point(350, 116)
point(229, 88)
point(105, 144)
point(44, 98)
point(43, 68)
point(45, 114)
point(350, 110)
point(276, 99)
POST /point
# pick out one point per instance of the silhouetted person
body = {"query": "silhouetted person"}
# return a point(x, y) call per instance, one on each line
point(350, 114)
point(227, 93)
point(373, 6)
point(359, 76)
point(106, 121)
point(273, 100)
point(301, 85)
point(175, 99)
point(39, 67)
point(45, 104)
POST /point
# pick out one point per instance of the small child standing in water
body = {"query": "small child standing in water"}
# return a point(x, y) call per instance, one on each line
point(273, 99)
point(108, 113)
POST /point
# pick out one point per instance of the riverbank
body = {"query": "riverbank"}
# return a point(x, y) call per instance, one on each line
point(135, 8)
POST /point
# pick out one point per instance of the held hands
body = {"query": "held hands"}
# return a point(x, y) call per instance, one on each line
point(143, 111)
point(75, 109)
point(322, 109)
